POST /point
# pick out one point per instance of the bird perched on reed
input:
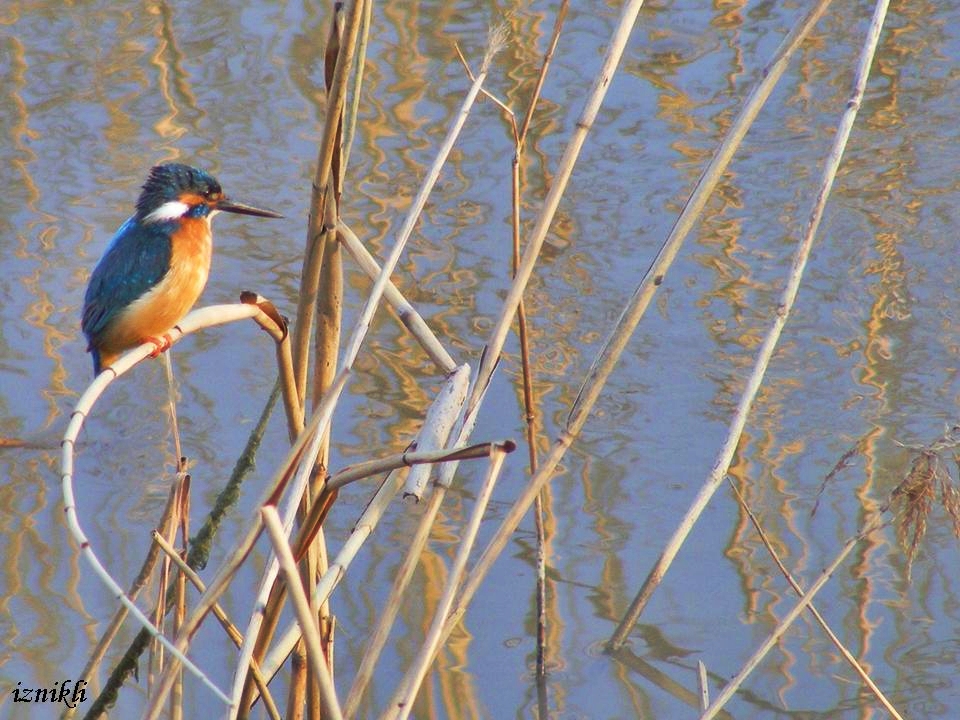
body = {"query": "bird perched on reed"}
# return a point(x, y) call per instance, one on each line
point(157, 263)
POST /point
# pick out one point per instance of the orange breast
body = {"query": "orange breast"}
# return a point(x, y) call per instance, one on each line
point(165, 305)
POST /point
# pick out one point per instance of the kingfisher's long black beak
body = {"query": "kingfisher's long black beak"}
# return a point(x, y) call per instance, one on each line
point(242, 209)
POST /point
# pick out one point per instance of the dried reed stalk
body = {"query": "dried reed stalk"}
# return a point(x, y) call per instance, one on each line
point(326, 346)
point(409, 317)
point(829, 174)
point(305, 615)
point(205, 317)
point(498, 335)
point(313, 253)
point(402, 703)
point(543, 497)
point(847, 655)
point(771, 75)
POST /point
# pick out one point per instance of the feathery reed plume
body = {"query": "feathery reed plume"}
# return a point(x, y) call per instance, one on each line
point(916, 494)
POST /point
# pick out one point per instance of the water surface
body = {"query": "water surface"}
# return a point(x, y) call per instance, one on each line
point(95, 94)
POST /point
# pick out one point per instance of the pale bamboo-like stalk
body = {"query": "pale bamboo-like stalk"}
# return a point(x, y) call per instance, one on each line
point(378, 638)
point(305, 616)
point(437, 425)
point(702, 685)
point(310, 281)
point(362, 324)
point(365, 525)
point(782, 312)
point(149, 563)
point(228, 627)
point(205, 317)
point(847, 655)
point(362, 530)
point(402, 703)
point(317, 425)
point(498, 335)
point(465, 424)
point(731, 687)
point(411, 319)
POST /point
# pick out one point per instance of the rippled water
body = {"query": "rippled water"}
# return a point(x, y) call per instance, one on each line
point(93, 94)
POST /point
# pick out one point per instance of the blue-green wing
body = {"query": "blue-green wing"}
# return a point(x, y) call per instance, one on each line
point(136, 259)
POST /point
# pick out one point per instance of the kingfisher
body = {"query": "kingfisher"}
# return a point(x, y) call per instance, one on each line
point(157, 263)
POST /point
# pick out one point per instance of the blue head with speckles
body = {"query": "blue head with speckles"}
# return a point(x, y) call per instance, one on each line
point(176, 183)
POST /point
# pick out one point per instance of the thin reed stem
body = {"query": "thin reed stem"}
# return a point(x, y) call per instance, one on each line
point(730, 688)
point(847, 655)
point(409, 317)
point(316, 428)
point(313, 254)
point(402, 703)
point(781, 313)
point(381, 632)
point(543, 498)
point(497, 337)
point(305, 616)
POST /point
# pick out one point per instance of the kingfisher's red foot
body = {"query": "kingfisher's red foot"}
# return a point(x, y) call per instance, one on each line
point(161, 344)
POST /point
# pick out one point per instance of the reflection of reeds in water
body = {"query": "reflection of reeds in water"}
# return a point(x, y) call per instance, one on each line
point(303, 490)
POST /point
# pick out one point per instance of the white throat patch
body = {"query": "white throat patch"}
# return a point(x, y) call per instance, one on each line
point(170, 210)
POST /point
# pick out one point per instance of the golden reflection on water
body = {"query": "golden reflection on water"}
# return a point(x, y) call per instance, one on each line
point(240, 89)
